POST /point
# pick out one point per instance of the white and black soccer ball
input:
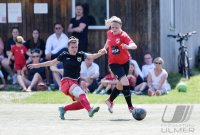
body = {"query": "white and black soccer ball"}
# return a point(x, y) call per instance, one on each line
point(139, 113)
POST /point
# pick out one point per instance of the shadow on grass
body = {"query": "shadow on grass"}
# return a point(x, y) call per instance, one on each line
point(120, 120)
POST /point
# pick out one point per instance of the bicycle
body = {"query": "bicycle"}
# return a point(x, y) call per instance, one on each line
point(183, 58)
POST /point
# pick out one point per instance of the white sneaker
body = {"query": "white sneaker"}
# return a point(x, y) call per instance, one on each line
point(103, 92)
point(110, 106)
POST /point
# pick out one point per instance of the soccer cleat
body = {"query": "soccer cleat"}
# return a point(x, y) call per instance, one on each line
point(62, 113)
point(131, 109)
point(93, 111)
point(110, 105)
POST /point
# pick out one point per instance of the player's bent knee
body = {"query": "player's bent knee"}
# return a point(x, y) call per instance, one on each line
point(77, 91)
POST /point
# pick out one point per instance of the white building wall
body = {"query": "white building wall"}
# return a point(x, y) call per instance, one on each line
point(187, 18)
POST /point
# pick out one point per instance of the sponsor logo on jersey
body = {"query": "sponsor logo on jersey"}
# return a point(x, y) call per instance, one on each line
point(79, 59)
point(117, 40)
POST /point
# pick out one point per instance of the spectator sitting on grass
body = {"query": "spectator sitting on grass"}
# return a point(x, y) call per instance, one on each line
point(36, 76)
point(89, 74)
point(2, 86)
point(147, 66)
point(157, 79)
point(5, 63)
point(137, 85)
point(107, 83)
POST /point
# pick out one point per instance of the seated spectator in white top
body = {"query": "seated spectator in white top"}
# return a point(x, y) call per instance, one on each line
point(89, 74)
point(55, 45)
point(147, 66)
point(157, 79)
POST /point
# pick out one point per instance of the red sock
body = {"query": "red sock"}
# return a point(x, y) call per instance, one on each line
point(74, 106)
point(84, 101)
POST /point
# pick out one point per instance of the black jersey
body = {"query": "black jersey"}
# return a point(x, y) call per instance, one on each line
point(71, 64)
point(33, 71)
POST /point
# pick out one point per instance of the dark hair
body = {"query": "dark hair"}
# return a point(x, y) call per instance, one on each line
point(15, 27)
point(35, 50)
point(32, 44)
point(58, 23)
point(147, 53)
point(36, 30)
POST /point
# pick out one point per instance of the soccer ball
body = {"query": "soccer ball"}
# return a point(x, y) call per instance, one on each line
point(182, 87)
point(139, 113)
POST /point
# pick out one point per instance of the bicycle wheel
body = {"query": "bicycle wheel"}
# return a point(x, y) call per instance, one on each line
point(186, 66)
point(180, 63)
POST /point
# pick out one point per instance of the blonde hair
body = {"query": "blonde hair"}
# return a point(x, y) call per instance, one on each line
point(113, 19)
point(158, 59)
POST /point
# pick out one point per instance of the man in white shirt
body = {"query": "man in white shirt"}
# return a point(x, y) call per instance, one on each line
point(55, 45)
point(89, 74)
point(56, 42)
point(148, 65)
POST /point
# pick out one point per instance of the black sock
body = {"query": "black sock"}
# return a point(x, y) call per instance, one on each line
point(127, 95)
point(114, 94)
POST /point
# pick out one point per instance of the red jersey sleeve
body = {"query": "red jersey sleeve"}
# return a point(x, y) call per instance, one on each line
point(126, 39)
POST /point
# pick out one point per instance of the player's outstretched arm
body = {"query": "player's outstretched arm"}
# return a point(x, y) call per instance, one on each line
point(44, 64)
point(132, 46)
point(95, 55)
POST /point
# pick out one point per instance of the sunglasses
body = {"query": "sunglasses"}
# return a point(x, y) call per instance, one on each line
point(36, 56)
point(35, 51)
point(158, 63)
point(57, 28)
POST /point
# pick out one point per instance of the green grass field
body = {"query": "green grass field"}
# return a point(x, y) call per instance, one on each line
point(174, 97)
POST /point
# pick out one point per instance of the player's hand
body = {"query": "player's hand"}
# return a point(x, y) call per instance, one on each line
point(102, 51)
point(33, 66)
point(124, 46)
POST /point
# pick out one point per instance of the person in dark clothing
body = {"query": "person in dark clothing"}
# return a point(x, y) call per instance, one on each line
point(78, 27)
point(36, 42)
point(35, 76)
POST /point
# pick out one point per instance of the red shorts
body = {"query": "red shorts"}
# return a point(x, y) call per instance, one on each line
point(19, 66)
point(66, 83)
